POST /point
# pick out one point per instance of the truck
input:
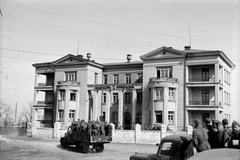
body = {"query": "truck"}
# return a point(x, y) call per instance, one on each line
point(87, 136)
point(177, 147)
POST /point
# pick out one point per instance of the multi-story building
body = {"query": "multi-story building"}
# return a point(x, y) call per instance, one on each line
point(168, 86)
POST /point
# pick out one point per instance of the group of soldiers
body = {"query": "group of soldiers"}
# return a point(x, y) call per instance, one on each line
point(94, 128)
point(217, 134)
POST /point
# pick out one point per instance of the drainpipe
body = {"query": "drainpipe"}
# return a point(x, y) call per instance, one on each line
point(184, 91)
point(55, 97)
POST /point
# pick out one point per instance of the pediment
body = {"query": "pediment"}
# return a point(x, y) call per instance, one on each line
point(69, 59)
point(163, 52)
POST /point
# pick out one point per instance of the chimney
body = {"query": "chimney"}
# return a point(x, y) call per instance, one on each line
point(80, 56)
point(187, 47)
point(129, 57)
point(88, 56)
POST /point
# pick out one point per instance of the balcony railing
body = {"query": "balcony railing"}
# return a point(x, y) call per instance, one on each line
point(212, 79)
point(48, 104)
point(44, 84)
point(211, 103)
point(68, 83)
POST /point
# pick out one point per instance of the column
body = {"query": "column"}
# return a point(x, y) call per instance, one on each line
point(95, 104)
point(120, 108)
point(216, 67)
point(134, 102)
point(153, 115)
point(165, 106)
point(77, 107)
point(57, 111)
point(108, 104)
point(35, 102)
point(216, 92)
point(66, 107)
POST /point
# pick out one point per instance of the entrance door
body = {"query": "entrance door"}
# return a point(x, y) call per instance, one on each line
point(204, 116)
point(127, 121)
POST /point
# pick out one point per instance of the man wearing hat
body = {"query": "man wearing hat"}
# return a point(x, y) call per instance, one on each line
point(222, 136)
point(212, 132)
point(235, 139)
point(200, 137)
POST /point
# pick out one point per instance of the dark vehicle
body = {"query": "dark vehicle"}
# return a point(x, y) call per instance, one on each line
point(173, 147)
point(85, 139)
point(218, 154)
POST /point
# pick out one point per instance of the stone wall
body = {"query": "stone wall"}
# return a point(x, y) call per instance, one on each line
point(118, 136)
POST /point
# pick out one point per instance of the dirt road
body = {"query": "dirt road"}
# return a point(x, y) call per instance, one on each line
point(19, 148)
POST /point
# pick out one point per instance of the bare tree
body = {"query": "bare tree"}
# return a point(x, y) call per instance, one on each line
point(5, 112)
point(27, 112)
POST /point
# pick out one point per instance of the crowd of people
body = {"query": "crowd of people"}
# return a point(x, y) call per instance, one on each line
point(217, 134)
point(95, 128)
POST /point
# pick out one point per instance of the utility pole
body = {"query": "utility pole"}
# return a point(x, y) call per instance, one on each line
point(16, 113)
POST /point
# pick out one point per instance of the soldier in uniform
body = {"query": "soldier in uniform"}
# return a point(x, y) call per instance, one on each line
point(222, 136)
point(200, 137)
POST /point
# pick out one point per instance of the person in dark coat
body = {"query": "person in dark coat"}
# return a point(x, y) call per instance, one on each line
point(226, 127)
point(211, 132)
point(235, 138)
point(222, 136)
point(200, 137)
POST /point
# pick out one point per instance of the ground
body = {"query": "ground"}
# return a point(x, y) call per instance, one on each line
point(20, 147)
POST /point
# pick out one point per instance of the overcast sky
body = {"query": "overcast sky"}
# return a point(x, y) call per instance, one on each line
point(33, 31)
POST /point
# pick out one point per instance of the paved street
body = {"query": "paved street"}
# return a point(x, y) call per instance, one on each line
point(31, 148)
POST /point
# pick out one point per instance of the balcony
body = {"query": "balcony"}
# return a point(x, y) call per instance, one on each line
point(44, 86)
point(212, 79)
point(74, 83)
point(211, 103)
point(160, 82)
point(44, 104)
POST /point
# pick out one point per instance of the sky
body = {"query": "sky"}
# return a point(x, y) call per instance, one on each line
point(35, 31)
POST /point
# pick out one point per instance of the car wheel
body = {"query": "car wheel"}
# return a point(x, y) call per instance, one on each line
point(63, 142)
point(99, 147)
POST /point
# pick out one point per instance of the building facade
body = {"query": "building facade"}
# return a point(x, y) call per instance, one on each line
point(167, 86)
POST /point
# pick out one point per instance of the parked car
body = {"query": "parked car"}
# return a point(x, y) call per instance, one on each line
point(177, 146)
point(218, 154)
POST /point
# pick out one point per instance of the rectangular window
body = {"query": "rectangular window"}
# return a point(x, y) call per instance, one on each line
point(128, 78)
point(70, 76)
point(159, 93)
point(104, 98)
point(73, 96)
point(71, 115)
point(205, 74)
point(60, 113)
point(61, 95)
point(140, 77)
point(139, 98)
point(95, 78)
point(115, 78)
point(170, 117)
point(171, 93)
point(115, 97)
point(105, 79)
point(158, 116)
point(164, 72)
point(127, 98)
point(205, 97)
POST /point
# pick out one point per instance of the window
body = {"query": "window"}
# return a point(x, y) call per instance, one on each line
point(128, 78)
point(115, 78)
point(95, 78)
point(139, 98)
point(171, 93)
point(159, 94)
point(170, 117)
point(60, 113)
point(105, 79)
point(61, 95)
point(164, 72)
point(104, 98)
point(205, 97)
point(158, 116)
point(70, 76)
point(127, 98)
point(71, 115)
point(139, 78)
point(73, 96)
point(115, 97)
point(205, 74)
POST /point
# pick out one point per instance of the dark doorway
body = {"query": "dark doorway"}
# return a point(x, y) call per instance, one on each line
point(127, 121)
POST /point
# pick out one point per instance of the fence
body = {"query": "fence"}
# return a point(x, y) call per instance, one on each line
point(118, 136)
point(19, 129)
